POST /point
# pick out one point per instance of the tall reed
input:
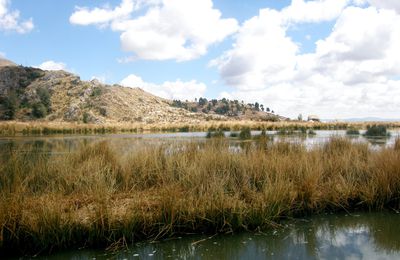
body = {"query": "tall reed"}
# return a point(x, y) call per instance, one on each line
point(98, 196)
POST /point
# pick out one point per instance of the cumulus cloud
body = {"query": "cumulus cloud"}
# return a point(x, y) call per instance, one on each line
point(102, 16)
point(385, 4)
point(10, 19)
point(52, 65)
point(178, 89)
point(352, 72)
point(170, 29)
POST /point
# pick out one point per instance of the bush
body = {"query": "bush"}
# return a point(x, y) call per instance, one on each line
point(233, 134)
point(8, 107)
point(39, 110)
point(217, 134)
point(245, 133)
point(352, 131)
point(85, 118)
point(97, 91)
point(311, 132)
point(377, 130)
point(45, 98)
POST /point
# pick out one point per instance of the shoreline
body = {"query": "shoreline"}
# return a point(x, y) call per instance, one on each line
point(17, 128)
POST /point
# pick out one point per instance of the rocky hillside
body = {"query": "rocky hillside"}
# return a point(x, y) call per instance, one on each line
point(230, 108)
point(33, 94)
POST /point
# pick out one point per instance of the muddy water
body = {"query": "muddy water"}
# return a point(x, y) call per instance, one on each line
point(328, 236)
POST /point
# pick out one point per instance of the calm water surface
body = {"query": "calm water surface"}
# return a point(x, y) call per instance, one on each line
point(329, 236)
point(126, 142)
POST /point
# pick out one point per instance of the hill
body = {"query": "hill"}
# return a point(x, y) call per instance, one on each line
point(230, 108)
point(33, 94)
point(4, 62)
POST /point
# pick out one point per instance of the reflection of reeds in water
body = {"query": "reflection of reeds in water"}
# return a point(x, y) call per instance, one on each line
point(93, 197)
point(287, 127)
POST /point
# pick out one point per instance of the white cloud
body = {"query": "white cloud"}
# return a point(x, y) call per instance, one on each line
point(85, 16)
point(352, 72)
point(170, 90)
point(313, 11)
point(169, 29)
point(52, 65)
point(10, 19)
point(2, 54)
point(386, 4)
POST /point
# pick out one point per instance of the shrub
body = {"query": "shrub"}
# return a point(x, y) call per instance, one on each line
point(8, 107)
point(352, 131)
point(217, 134)
point(311, 132)
point(377, 130)
point(245, 133)
point(233, 134)
point(39, 110)
point(85, 117)
point(97, 92)
point(45, 98)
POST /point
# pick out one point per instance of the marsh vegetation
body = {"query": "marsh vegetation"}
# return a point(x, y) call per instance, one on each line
point(98, 196)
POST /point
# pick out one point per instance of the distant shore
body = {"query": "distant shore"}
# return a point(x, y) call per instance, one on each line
point(12, 128)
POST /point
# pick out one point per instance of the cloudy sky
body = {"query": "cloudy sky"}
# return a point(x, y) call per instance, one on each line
point(334, 58)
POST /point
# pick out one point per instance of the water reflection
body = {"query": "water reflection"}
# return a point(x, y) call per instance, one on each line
point(58, 145)
point(336, 236)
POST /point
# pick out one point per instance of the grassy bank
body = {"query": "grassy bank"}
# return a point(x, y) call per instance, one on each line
point(12, 128)
point(101, 197)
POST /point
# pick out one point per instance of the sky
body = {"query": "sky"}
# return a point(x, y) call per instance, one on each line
point(333, 58)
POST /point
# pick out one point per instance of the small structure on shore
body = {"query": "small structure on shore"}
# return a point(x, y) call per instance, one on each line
point(313, 118)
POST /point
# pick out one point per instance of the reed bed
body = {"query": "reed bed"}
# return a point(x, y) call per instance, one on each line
point(101, 197)
point(12, 128)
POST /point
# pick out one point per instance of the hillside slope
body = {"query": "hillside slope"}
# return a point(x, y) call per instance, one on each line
point(34, 94)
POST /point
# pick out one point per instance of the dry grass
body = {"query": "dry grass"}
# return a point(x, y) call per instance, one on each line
point(97, 197)
point(11, 128)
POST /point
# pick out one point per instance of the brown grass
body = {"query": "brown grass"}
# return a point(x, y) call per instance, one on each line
point(100, 197)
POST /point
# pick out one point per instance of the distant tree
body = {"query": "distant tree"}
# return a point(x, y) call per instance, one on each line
point(257, 106)
point(202, 101)
point(262, 107)
point(268, 109)
point(300, 117)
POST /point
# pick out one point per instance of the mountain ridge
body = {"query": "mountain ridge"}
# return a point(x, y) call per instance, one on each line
point(33, 94)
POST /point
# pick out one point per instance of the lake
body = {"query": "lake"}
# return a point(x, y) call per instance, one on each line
point(61, 144)
point(327, 236)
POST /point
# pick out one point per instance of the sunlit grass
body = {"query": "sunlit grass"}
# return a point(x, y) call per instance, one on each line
point(98, 196)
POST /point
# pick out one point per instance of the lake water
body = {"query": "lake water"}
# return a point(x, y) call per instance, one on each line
point(126, 142)
point(328, 236)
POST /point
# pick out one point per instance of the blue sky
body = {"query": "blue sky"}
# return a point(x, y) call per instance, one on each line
point(294, 56)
